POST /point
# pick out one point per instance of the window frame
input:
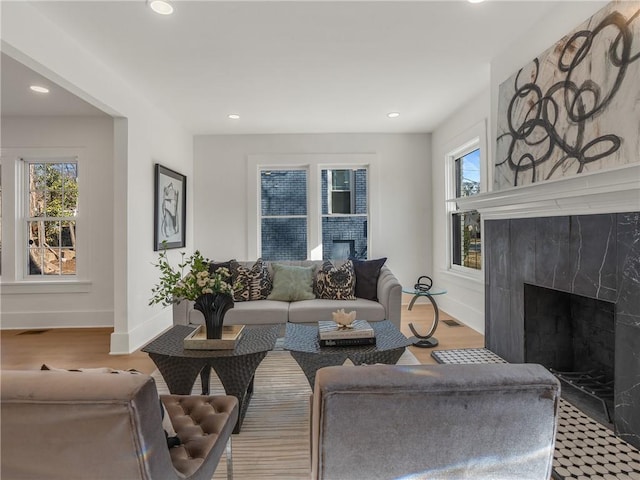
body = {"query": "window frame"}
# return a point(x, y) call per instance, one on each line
point(314, 163)
point(331, 190)
point(474, 139)
point(262, 217)
point(353, 200)
point(22, 237)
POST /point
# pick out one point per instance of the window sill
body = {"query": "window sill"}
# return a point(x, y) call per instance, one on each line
point(31, 287)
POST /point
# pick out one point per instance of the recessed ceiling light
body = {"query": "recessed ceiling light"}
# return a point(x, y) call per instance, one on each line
point(163, 7)
point(393, 114)
point(39, 89)
point(475, 1)
point(234, 116)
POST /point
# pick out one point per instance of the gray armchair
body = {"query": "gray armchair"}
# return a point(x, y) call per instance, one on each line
point(70, 425)
point(434, 422)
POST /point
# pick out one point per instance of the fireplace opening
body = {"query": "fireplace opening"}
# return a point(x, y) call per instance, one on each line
point(574, 337)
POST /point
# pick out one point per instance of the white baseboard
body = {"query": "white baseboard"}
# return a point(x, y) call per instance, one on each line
point(66, 319)
point(124, 343)
point(471, 317)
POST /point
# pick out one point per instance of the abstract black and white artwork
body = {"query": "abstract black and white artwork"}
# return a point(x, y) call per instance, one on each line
point(576, 107)
point(169, 209)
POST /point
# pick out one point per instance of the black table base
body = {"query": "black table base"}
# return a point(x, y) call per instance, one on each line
point(235, 368)
point(302, 343)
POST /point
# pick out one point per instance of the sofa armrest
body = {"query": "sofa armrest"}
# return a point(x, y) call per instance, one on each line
point(390, 295)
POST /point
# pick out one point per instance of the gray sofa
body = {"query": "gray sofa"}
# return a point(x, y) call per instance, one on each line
point(434, 421)
point(388, 306)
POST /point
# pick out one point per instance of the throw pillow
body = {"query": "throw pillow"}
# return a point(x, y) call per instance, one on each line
point(292, 283)
point(250, 283)
point(367, 273)
point(214, 266)
point(336, 283)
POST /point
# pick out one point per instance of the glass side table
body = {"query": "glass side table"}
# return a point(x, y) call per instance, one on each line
point(428, 340)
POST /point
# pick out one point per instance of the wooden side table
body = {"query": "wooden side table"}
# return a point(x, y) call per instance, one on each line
point(428, 340)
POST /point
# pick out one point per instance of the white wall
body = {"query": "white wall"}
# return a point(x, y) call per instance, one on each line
point(91, 139)
point(143, 135)
point(465, 298)
point(404, 173)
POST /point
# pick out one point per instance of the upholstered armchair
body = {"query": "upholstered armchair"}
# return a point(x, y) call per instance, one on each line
point(434, 422)
point(70, 425)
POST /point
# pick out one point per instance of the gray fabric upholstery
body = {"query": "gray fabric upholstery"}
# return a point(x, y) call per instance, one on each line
point(261, 312)
point(71, 425)
point(434, 421)
point(388, 306)
point(309, 311)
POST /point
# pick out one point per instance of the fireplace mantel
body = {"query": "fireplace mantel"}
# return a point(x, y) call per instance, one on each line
point(615, 190)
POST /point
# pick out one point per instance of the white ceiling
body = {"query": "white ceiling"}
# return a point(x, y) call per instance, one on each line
point(290, 67)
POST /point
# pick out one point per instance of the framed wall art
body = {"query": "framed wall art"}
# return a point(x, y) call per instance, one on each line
point(574, 108)
point(170, 209)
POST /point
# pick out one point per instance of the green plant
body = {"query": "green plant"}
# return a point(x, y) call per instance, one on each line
point(175, 286)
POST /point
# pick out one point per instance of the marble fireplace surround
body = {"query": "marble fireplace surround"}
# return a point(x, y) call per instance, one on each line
point(577, 235)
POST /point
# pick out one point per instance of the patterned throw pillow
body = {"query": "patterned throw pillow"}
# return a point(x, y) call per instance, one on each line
point(336, 283)
point(214, 266)
point(251, 283)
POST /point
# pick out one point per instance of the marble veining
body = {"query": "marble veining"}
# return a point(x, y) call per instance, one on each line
point(579, 250)
point(604, 256)
point(596, 256)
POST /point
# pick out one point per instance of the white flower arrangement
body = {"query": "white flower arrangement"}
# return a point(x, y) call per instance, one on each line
point(175, 286)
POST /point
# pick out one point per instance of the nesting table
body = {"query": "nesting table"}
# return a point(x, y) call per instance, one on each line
point(302, 342)
point(235, 368)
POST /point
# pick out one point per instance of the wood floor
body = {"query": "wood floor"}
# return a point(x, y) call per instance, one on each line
point(89, 347)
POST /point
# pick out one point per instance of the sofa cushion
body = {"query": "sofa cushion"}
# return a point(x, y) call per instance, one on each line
point(336, 283)
point(291, 283)
point(258, 312)
point(311, 311)
point(250, 283)
point(367, 273)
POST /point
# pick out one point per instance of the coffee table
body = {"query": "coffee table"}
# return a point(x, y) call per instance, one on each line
point(302, 342)
point(235, 368)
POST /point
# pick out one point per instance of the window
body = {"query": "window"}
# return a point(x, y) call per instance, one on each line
point(310, 206)
point(340, 198)
point(283, 218)
point(466, 225)
point(345, 213)
point(51, 206)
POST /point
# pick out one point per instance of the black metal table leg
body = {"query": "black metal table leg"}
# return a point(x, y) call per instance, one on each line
point(428, 340)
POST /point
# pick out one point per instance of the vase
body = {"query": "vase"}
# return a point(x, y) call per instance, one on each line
point(213, 307)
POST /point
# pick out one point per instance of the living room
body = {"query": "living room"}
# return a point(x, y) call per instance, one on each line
point(129, 132)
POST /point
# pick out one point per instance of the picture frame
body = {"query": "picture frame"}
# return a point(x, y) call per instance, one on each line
point(170, 208)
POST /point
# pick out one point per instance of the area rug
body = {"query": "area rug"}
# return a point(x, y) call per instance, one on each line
point(584, 449)
point(274, 440)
